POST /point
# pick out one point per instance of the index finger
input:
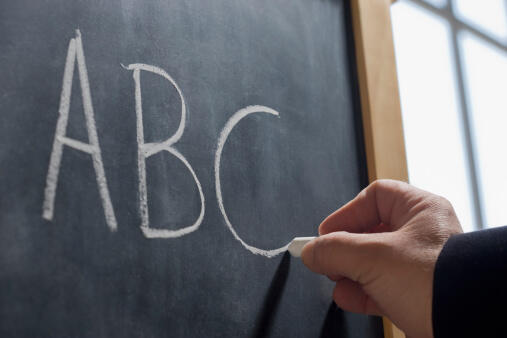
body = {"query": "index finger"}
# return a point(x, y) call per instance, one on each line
point(384, 201)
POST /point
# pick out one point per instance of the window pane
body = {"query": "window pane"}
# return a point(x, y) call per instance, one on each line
point(431, 121)
point(437, 3)
point(489, 16)
point(486, 85)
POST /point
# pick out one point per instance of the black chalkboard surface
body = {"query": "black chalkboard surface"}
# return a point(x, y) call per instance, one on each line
point(155, 158)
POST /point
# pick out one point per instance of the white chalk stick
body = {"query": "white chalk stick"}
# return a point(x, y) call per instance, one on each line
point(297, 244)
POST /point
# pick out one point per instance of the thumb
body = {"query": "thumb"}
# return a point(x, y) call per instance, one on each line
point(351, 255)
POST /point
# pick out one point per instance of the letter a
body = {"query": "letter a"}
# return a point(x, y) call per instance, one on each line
point(75, 51)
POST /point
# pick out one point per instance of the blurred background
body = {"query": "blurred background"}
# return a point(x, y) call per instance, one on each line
point(452, 67)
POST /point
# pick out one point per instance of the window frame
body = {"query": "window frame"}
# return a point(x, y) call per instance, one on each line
point(448, 13)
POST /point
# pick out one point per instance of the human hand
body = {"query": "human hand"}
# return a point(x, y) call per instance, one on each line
point(381, 249)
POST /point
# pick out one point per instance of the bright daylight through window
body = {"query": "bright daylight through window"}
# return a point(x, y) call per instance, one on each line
point(452, 68)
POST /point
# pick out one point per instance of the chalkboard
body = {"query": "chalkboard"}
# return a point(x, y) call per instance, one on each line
point(156, 157)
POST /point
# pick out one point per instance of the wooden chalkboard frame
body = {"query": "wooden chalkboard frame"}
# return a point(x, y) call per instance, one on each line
point(380, 101)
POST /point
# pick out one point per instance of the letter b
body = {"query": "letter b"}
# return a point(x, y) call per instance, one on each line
point(146, 150)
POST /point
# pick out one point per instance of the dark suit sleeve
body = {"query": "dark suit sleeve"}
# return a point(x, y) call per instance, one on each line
point(470, 286)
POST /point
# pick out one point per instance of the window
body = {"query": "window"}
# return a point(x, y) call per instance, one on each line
point(452, 69)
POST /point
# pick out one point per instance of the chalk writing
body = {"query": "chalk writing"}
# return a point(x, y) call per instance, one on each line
point(75, 50)
point(146, 150)
point(233, 121)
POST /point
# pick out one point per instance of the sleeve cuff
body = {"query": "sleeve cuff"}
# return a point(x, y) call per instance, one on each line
point(470, 286)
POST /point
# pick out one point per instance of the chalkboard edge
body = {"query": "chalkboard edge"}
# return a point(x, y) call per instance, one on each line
point(380, 100)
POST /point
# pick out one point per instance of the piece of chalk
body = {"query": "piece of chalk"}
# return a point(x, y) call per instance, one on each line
point(297, 244)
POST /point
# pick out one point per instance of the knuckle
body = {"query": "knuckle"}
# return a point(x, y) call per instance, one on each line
point(434, 203)
point(443, 202)
point(380, 182)
point(442, 205)
point(385, 183)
